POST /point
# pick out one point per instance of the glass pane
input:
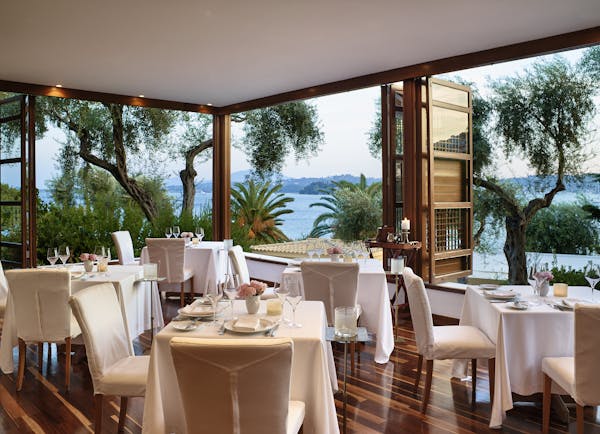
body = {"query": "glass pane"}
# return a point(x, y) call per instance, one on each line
point(399, 133)
point(450, 95)
point(450, 130)
point(10, 180)
point(399, 181)
point(11, 257)
point(399, 214)
point(10, 139)
point(10, 222)
point(450, 229)
point(398, 99)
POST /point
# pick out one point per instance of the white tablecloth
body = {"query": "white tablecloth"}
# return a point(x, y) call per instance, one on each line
point(208, 261)
point(133, 296)
point(523, 339)
point(313, 372)
point(374, 298)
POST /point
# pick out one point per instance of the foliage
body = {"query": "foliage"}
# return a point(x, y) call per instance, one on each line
point(10, 217)
point(569, 275)
point(256, 210)
point(354, 210)
point(562, 229)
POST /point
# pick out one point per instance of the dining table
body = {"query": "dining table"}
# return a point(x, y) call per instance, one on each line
point(313, 375)
point(207, 259)
point(523, 335)
point(374, 299)
point(134, 297)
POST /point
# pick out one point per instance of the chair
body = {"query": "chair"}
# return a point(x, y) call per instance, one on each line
point(124, 245)
point(236, 385)
point(3, 291)
point(444, 342)
point(114, 369)
point(169, 254)
point(240, 269)
point(576, 375)
point(335, 284)
point(42, 313)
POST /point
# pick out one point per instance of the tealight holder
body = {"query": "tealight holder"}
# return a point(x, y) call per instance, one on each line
point(404, 236)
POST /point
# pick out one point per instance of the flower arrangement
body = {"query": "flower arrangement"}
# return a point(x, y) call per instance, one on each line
point(186, 235)
point(543, 275)
point(87, 257)
point(253, 288)
point(335, 250)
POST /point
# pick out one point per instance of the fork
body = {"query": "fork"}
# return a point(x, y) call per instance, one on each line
point(221, 329)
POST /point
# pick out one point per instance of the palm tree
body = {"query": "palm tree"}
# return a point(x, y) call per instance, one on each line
point(354, 210)
point(256, 207)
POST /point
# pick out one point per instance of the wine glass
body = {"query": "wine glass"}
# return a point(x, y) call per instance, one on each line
point(176, 231)
point(533, 282)
point(231, 291)
point(199, 233)
point(592, 275)
point(294, 298)
point(282, 293)
point(52, 255)
point(214, 298)
point(64, 254)
point(168, 232)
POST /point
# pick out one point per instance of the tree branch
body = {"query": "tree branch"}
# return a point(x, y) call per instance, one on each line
point(507, 201)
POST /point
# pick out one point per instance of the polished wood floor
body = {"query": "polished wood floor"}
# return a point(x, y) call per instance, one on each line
point(381, 398)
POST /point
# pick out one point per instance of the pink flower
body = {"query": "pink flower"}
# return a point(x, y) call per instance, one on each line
point(543, 275)
point(87, 257)
point(334, 251)
point(253, 288)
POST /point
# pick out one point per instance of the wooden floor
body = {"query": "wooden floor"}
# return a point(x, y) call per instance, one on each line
point(381, 398)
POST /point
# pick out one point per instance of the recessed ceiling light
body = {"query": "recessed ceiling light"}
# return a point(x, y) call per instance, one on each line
point(209, 103)
point(59, 85)
point(141, 96)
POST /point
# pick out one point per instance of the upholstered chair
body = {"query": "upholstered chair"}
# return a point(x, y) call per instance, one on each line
point(169, 254)
point(576, 375)
point(114, 369)
point(3, 291)
point(229, 386)
point(335, 284)
point(240, 269)
point(124, 246)
point(42, 313)
point(444, 342)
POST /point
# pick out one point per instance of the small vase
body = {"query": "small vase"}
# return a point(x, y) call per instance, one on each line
point(335, 257)
point(543, 288)
point(252, 303)
point(88, 266)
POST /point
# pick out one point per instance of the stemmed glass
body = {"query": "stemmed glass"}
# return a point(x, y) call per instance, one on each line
point(52, 255)
point(282, 293)
point(176, 231)
point(533, 282)
point(168, 232)
point(294, 298)
point(214, 298)
point(64, 254)
point(231, 291)
point(319, 251)
point(593, 277)
point(199, 233)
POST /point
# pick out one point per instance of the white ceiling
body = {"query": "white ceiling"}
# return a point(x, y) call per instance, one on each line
point(223, 52)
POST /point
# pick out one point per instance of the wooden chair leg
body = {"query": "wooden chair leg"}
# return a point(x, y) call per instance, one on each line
point(546, 404)
point(579, 419)
point(40, 355)
point(419, 369)
point(98, 416)
point(192, 293)
point(473, 380)
point(492, 377)
point(67, 363)
point(122, 414)
point(352, 355)
point(428, 377)
point(182, 295)
point(21, 370)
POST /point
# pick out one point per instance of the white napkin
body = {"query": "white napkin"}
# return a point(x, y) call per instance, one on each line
point(197, 308)
point(247, 324)
point(570, 302)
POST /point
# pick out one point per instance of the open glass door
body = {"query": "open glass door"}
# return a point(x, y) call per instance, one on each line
point(17, 181)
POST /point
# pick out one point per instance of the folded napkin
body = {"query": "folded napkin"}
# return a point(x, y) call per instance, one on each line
point(247, 324)
point(197, 308)
point(570, 302)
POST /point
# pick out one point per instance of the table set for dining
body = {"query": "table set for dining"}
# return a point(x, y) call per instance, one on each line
point(525, 329)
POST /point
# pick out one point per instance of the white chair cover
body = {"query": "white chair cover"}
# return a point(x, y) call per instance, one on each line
point(587, 355)
point(113, 367)
point(40, 303)
point(248, 380)
point(238, 262)
point(3, 291)
point(420, 311)
point(169, 254)
point(124, 246)
point(335, 284)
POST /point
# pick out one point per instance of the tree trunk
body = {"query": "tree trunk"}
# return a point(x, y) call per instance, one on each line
point(188, 176)
point(514, 250)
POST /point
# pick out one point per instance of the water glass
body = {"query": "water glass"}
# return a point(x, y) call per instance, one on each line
point(345, 322)
point(52, 255)
point(168, 232)
point(64, 254)
point(176, 231)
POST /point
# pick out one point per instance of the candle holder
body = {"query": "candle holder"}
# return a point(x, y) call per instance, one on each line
point(404, 236)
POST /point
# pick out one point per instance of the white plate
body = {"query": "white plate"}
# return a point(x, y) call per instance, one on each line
point(184, 326)
point(263, 325)
point(519, 305)
point(77, 274)
point(489, 286)
point(500, 295)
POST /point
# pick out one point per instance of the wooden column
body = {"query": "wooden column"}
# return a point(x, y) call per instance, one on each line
point(221, 214)
point(32, 190)
point(387, 157)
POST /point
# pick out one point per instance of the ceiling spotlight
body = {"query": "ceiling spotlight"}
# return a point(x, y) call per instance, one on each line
point(141, 96)
point(210, 103)
point(59, 85)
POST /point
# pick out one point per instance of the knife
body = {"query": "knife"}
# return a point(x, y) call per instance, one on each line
point(271, 332)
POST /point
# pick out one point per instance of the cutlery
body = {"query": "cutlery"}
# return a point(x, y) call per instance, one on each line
point(222, 329)
point(272, 331)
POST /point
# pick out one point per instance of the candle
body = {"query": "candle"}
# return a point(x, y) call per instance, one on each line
point(397, 265)
point(274, 307)
point(405, 224)
point(195, 241)
point(560, 289)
